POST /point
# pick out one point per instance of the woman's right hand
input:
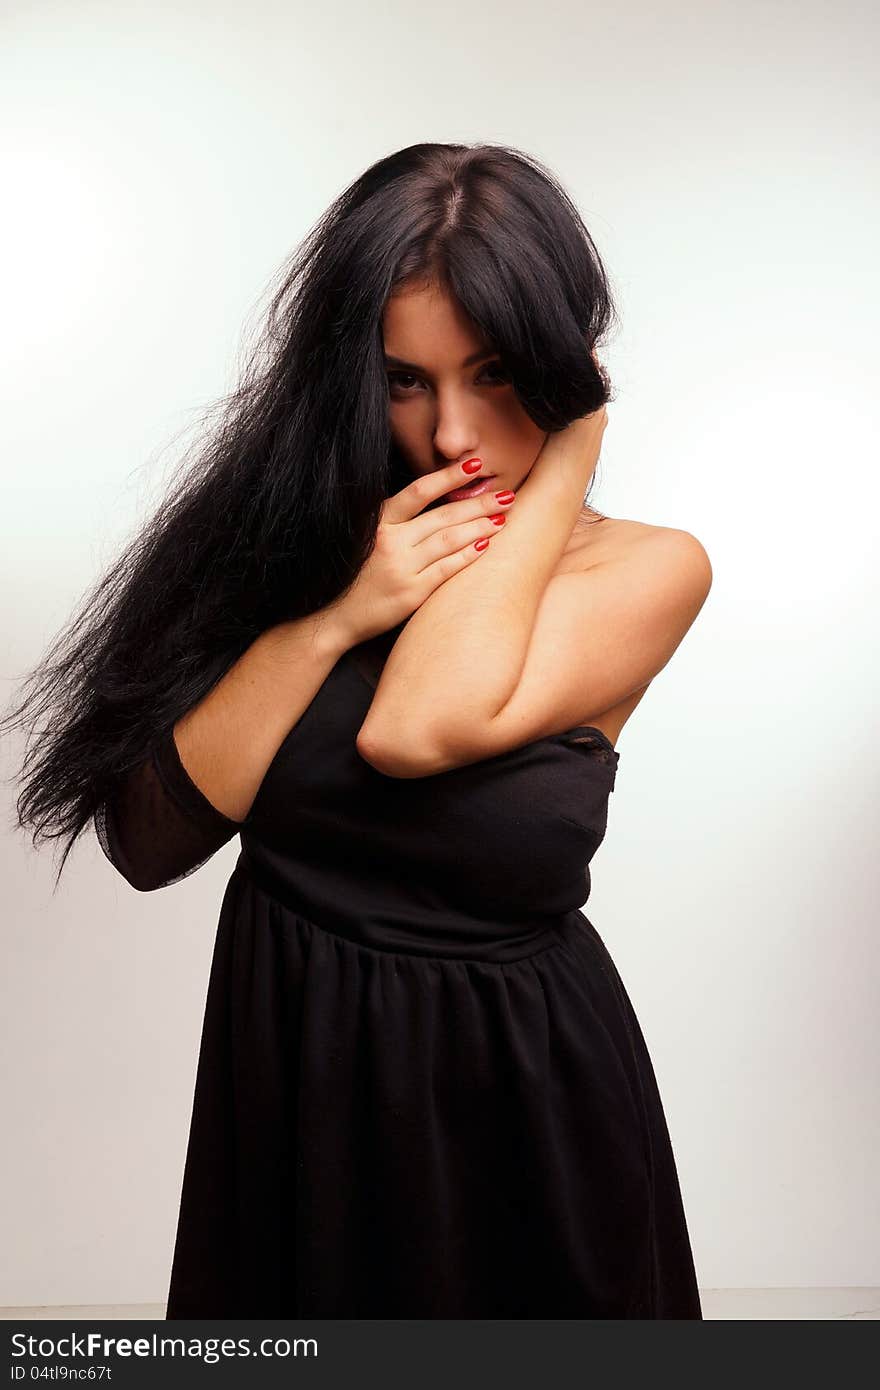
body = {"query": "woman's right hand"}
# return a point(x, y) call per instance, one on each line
point(417, 551)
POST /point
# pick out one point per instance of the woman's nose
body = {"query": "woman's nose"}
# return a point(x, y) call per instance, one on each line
point(455, 436)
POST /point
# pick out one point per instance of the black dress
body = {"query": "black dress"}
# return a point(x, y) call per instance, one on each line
point(422, 1091)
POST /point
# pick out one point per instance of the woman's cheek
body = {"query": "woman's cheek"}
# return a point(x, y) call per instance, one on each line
point(406, 440)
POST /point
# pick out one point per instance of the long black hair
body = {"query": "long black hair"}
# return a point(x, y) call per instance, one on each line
point(277, 511)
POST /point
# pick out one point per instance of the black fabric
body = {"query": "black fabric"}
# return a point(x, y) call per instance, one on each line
point(159, 827)
point(422, 1090)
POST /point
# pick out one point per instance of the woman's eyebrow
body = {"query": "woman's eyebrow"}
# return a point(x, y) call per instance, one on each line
point(471, 361)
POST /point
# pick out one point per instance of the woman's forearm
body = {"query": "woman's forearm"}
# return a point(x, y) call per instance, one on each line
point(227, 741)
point(462, 653)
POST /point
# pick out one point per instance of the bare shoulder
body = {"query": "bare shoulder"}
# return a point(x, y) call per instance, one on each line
point(667, 563)
point(599, 539)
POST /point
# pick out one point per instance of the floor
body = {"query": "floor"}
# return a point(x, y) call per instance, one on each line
point(748, 1305)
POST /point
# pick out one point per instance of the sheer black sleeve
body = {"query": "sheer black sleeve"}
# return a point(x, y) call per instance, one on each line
point(158, 826)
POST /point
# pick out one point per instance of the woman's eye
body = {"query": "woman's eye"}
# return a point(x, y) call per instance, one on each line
point(497, 368)
point(399, 379)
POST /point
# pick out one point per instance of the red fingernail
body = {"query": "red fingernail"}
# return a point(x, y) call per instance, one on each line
point(504, 497)
point(499, 519)
point(481, 545)
point(472, 465)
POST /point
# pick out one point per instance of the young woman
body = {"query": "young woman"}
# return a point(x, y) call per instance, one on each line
point(378, 633)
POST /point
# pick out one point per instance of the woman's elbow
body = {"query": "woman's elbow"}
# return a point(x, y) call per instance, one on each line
point(404, 756)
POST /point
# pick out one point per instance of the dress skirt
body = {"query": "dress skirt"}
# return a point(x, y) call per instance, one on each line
point(380, 1131)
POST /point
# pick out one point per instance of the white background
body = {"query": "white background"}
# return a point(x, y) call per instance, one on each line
point(159, 162)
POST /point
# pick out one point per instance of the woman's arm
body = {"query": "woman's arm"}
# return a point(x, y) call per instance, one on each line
point(228, 740)
point(195, 789)
point(461, 655)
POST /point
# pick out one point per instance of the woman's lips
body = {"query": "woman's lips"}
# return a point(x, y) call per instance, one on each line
point(460, 494)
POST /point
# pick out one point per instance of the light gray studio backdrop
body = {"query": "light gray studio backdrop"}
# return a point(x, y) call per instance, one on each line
point(160, 160)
